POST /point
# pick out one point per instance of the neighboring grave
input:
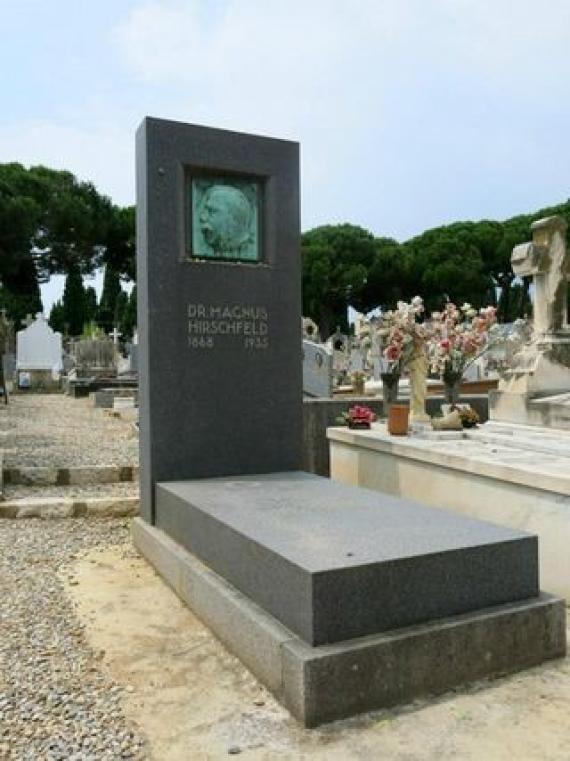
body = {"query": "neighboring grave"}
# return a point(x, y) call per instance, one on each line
point(310, 330)
point(38, 355)
point(356, 361)
point(542, 367)
point(95, 357)
point(407, 601)
point(317, 370)
point(339, 345)
point(7, 353)
point(133, 354)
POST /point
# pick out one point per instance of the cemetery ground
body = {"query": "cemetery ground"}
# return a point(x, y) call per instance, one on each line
point(99, 659)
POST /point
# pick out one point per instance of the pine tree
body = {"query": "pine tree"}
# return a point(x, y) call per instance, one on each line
point(74, 310)
point(20, 293)
point(90, 304)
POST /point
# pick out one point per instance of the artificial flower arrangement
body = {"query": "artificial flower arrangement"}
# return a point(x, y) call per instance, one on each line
point(401, 334)
point(458, 336)
point(358, 416)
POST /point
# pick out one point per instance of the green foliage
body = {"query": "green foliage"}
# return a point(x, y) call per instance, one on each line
point(385, 283)
point(446, 263)
point(129, 316)
point(92, 330)
point(107, 316)
point(50, 222)
point(20, 292)
point(336, 261)
point(91, 307)
point(464, 261)
point(74, 302)
point(57, 317)
point(120, 243)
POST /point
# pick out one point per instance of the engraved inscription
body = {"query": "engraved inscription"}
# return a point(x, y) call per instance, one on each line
point(218, 325)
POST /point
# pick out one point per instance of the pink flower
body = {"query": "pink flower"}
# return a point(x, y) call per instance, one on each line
point(393, 352)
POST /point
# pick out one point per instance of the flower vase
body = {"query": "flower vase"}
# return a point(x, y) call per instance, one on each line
point(358, 387)
point(389, 388)
point(398, 419)
point(451, 387)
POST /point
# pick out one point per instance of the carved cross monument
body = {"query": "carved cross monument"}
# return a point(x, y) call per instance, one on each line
point(546, 259)
point(542, 367)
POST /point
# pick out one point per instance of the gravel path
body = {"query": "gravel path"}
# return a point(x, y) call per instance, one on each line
point(56, 701)
point(57, 430)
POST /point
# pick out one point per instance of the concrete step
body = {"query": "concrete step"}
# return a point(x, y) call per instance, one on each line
point(51, 476)
point(58, 507)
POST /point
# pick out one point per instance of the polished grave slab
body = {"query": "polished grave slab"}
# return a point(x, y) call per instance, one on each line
point(321, 684)
point(333, 563)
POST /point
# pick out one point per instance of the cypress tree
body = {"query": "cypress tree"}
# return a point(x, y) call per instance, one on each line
point(90, 304)
point(74, 301)
point(129, 320)
point(109, 296)
point(57, 317)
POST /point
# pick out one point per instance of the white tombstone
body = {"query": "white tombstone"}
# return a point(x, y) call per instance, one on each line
point(338, 343)
point(317, 370)
point(38, 347)
point(310, 330)
point(356, 360)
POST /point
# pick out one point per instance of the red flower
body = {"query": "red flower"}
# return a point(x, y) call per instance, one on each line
point(361, 413)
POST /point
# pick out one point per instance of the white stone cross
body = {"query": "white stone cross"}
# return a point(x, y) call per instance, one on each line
point(115, 335)
point(547, 261)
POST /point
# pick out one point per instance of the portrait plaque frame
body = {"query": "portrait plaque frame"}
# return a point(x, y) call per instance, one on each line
point(223, 217)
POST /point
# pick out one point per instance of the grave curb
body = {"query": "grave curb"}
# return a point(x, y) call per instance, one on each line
point(325, 683)
point(74, 476)
point(70, 508)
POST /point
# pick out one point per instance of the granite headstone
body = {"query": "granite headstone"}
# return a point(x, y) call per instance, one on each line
point(218, 304)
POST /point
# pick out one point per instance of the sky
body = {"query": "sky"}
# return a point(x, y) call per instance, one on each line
point(410, 113)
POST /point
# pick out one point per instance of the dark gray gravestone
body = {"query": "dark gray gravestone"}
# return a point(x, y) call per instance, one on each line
point(332, 562)
point(218, 276)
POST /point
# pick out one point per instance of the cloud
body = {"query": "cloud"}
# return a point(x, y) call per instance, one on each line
point(410, 112)
point(99, 153)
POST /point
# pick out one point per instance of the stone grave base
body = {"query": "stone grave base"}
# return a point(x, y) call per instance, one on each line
point(81, 387)
point(41, 381)
point(105, 397)
point(512, 475)
point(328, 682)
point(343, 600)
point(545, 410)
